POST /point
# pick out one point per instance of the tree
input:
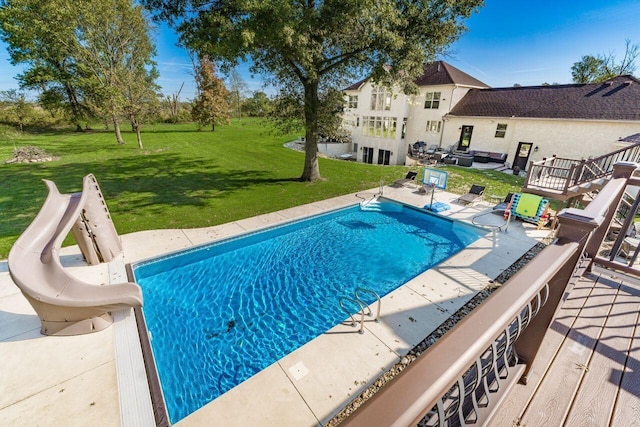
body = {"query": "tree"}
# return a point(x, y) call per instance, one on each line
point(37, 34)
point(173, 103)
point(210, 105)
point(312, 46)
point(588, 70)
point(114, 48)
point(594, 69)
point(18, 111)
point(237, 86)
point(259, 105)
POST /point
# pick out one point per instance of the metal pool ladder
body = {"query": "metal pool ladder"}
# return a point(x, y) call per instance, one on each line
point(365, 309)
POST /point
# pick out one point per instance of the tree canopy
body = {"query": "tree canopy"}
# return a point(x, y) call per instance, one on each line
point(312, 46)
point(91, 57)
point(37, 34)
point(594, 69)
point(210, 107)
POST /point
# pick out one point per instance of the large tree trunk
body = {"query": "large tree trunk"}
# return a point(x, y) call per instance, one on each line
point(116, 127)
point(139, 137)
point(135, 125)
point(76, 110)
point(311, 171)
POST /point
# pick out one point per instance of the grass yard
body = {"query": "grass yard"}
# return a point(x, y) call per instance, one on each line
point(185, 178)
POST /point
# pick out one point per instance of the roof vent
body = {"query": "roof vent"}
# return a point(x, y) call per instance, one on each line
point(627, 83)
point(608, 83)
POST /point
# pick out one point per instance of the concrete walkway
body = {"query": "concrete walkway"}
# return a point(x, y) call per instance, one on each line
point(73, 380)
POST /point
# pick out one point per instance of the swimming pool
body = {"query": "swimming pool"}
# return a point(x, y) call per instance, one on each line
point(220, 313)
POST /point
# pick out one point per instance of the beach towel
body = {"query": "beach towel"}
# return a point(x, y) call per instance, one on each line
point(528, 205)
point(437, 207)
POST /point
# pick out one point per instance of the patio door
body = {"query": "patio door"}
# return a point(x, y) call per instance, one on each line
point(465, 138)
point(383, 157)
point(522, 155)
point(367, 154)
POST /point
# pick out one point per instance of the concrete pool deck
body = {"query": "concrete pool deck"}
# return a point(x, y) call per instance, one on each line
point(74, 381)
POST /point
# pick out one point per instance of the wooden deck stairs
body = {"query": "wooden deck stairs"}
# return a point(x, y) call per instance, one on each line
point(569, 179)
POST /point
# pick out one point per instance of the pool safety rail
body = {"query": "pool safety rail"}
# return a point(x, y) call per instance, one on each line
point(363, 308)
point(464, 377)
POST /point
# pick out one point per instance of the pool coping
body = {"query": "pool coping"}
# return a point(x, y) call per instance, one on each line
point(292, 366)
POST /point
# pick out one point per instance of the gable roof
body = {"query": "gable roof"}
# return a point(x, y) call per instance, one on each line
point(356, 86)
point(441, 73)
point(437, 73)
point(616, 99)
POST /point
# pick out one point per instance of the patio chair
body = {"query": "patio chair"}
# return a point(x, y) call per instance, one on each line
point(474, 195)
point(411, 177)
point(432, 149)
point(504, 205)
point(530, 208)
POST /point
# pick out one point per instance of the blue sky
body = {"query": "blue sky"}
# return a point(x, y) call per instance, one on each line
point(508, 42)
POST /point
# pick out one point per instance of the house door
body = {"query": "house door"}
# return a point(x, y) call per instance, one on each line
point(367, 154)
point(383, 157)
point(465, 138)
point(522, 155)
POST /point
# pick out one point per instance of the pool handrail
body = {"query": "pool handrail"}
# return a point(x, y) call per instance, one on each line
point(357, 303)
point(371, 292)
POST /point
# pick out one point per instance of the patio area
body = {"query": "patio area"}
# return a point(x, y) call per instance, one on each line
point(96, 379)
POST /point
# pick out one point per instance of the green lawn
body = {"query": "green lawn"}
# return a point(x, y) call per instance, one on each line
point(184, 178)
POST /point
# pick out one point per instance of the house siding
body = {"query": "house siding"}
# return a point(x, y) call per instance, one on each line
point(571, 121)
point(573, 139)
point(399, 110)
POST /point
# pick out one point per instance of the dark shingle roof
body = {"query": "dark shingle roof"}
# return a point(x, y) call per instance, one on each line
point(634, 139)
point(441, 73)
point(617, 99)
point(356, 86)
point(437, 73)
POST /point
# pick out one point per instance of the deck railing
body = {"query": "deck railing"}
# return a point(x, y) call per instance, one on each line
point(460, 379)
point(560, 174)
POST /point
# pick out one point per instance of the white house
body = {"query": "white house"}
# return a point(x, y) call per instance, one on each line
point(383, 123)
point(525, 123)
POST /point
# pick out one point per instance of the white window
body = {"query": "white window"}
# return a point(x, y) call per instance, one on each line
point(434, 126)
point(381, 127)
point(380, 99)
point(432, 100)
point(353, 101)
point(501, 130)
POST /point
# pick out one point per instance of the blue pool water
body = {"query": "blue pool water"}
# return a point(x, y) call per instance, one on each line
point(220, 313)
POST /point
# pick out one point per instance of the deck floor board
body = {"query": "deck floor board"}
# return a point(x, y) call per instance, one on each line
point(517, 400)
point(560, 384)
point(588, 369)
point(596, 398)
point(627, 409)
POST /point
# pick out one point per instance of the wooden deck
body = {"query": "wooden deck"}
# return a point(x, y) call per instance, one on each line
point(589, 371)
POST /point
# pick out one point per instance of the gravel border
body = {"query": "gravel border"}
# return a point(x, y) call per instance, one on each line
point(439, 332)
